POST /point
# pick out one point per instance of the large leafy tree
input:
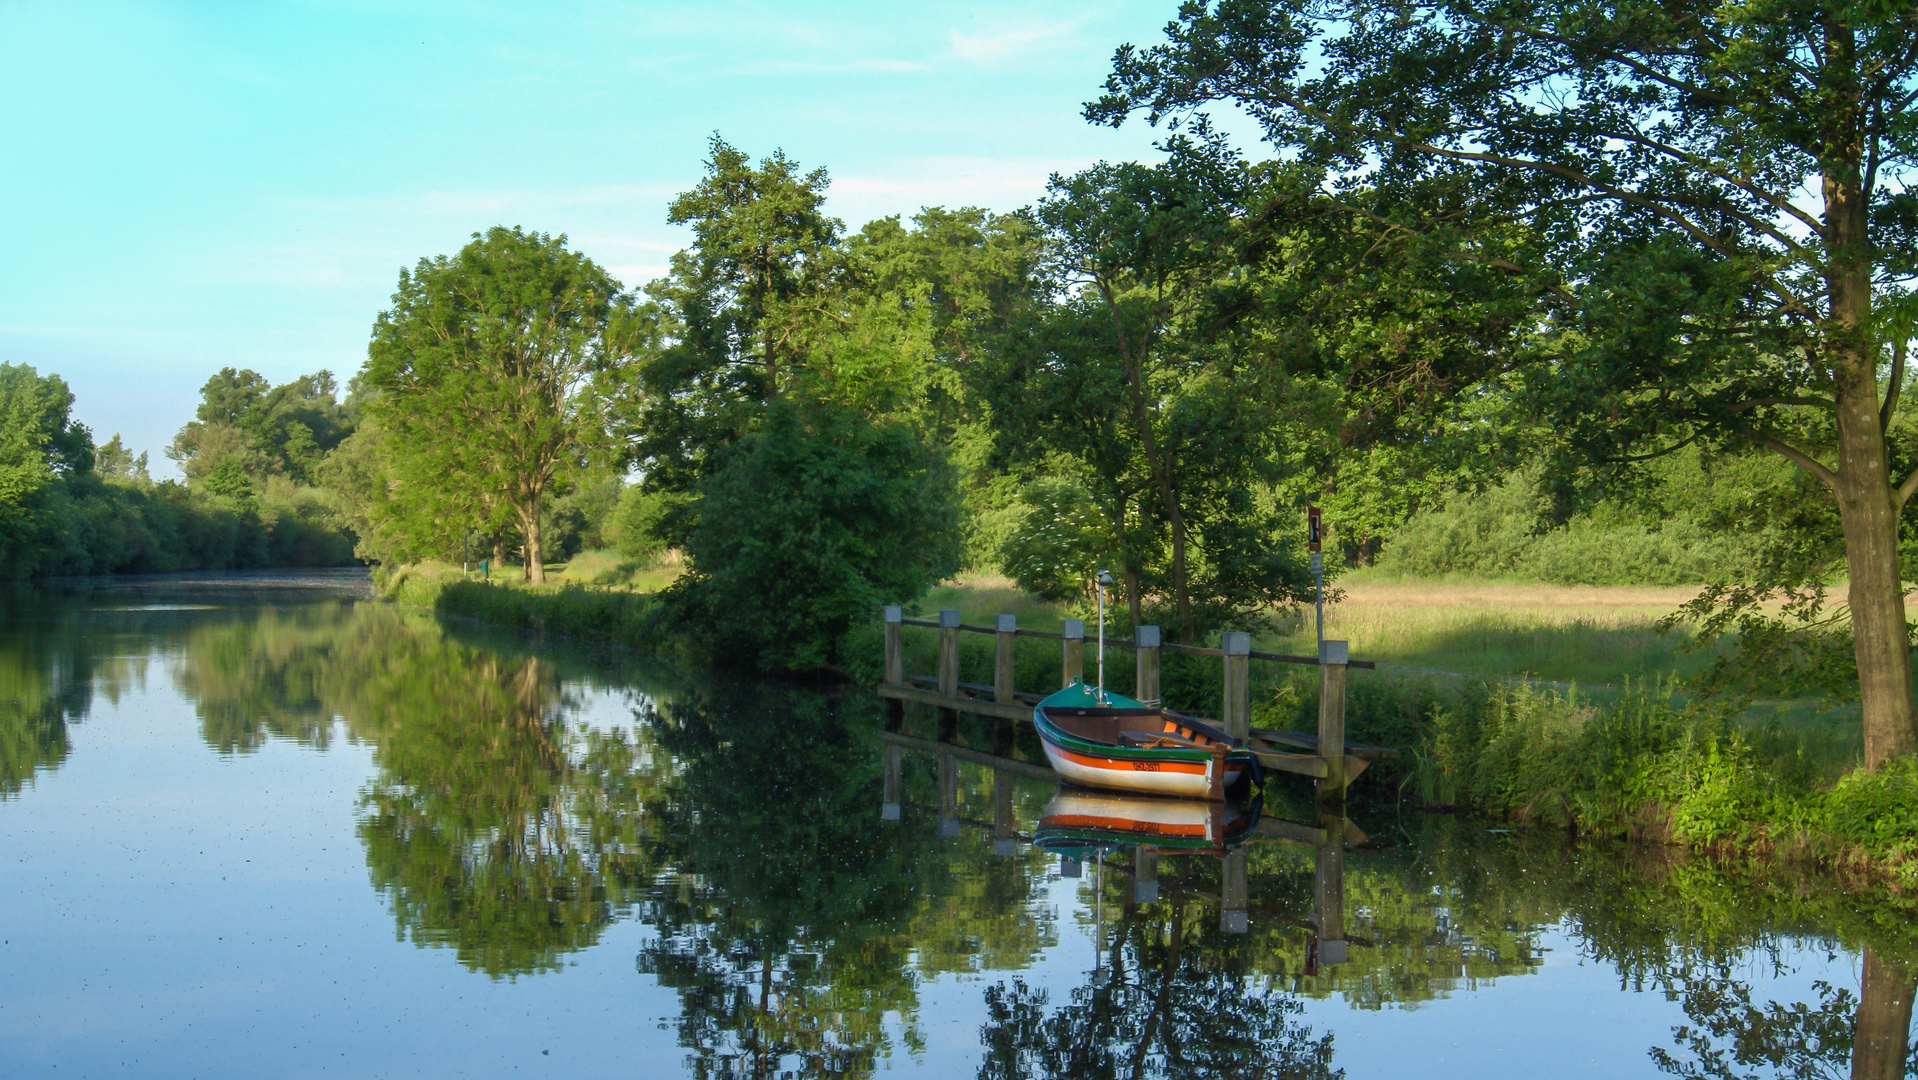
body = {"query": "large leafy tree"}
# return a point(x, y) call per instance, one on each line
point(1146, 378)
point(491, 379)
point(1712, 198)
point(734, 312)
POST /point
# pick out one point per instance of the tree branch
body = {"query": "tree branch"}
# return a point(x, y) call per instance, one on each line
point(1802, 459)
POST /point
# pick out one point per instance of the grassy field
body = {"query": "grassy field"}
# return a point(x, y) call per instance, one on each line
point(1598, 640)
point(1572, 634)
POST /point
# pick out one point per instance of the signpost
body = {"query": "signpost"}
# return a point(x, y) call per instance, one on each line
point(1314, 532)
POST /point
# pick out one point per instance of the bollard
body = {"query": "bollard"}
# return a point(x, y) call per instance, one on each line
point(895, 664)
point(948, 668)
point(1237, 712)
point(1332, 659)
point(1005, 632)
point(1146, 684)
point(1074, 665)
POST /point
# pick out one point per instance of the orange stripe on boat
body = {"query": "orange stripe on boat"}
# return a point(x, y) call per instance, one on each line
point(1082, 821)
point(1194, 768)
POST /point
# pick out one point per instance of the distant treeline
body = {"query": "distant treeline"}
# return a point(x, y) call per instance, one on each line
point(69, 506)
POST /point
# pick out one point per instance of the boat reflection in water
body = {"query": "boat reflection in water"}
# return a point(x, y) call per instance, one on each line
point(1129, 834)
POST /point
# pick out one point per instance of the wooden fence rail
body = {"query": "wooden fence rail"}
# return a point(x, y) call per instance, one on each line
point(1335, 771)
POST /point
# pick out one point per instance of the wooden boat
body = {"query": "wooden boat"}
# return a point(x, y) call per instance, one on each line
point(1077, 819)
point(1125, 745)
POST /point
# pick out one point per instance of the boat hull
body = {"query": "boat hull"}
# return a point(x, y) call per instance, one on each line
point(1165, 771)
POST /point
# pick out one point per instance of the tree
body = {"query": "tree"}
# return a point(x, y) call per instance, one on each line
point(491, 378)
point(1715, 200)
point(287, 428)
point(809, 525)
point(733, 309)
point(39, 440)
point(1146, 378)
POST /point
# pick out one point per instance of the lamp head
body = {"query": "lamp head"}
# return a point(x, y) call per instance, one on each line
point(1105, 577)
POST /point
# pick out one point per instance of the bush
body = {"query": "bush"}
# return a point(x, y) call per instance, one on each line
point(644, 522)
point(808, 526)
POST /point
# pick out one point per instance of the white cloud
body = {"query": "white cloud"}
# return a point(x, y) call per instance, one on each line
point(1009, 41)
point(866, 66)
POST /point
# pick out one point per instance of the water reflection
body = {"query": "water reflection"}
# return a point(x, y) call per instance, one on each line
point(524, 801)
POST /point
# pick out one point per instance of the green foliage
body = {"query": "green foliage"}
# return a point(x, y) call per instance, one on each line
point(811, 524)
point(1059, 543)
point(76, 511)
point(490, 379)
point(1673, 533)
point(243, 418)
point(645, 523)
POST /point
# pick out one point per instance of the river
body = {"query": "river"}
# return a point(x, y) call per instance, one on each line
point(265, 825)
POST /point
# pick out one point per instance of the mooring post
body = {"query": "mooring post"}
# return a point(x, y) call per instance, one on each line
point(1330, 891)
point(948, 795)
point(1074, 667)
point(1005, 632)
point(1332, 661)
point(1237, 712)
point(1145, 876)
point(1146, 683)
point(889, 808)
point(948, 668)
point(895, 663)
point(1233, 918)
point(1004, 835)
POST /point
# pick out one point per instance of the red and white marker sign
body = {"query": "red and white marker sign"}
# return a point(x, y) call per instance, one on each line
point(1313, 528)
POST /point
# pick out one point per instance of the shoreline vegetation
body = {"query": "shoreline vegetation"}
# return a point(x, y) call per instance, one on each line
point(1617, 752)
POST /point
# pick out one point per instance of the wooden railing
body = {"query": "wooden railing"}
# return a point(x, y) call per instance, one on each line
point(1000, 699)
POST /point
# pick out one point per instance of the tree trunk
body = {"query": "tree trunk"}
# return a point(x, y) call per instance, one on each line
point(1132, 596)
point(499, 551)
point(533, 570)
point(1881, 1033)
point(1868, 504)
point(1868, 508)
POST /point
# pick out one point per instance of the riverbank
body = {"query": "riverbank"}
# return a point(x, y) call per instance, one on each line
point(1631, 757)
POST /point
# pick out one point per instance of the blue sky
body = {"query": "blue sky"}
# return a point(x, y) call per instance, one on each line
point(197, 185)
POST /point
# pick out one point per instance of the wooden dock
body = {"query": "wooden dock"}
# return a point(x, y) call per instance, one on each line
point(1301, 750)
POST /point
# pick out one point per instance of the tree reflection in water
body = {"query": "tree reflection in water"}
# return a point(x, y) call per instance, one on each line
point(740, 821)
point(1860, 1037)
point(1160, 1008)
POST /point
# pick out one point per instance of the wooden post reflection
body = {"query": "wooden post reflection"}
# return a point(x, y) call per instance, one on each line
point(1233, 918)
point(1329, 896)
point(1881, 1033)
point(1004, 836)
point(948, 795)
point(889, 807)
point(1145, 876)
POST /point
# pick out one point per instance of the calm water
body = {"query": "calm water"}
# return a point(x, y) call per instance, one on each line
point(266, 826)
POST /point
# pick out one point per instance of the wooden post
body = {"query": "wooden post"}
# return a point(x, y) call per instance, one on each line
point(1075, 652)
point(1006, 631)
point(1332, 659)
point(948, 668)
point(1146, 685)
point(1237, 712)
point(948, 795)
point(889, 808)
point(1233, 918)
point(1329, 898)
point(1004, 836)
point(895, 664)
point(1145, 876)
